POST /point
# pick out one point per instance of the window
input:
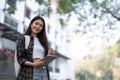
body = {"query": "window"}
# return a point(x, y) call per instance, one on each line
point(49, 43)
point(56, 33)
point(25, 28)
point(48, 29)
point(11, 2)
point(57, 70)
point(11, 22)
point(56, 47)
point(50, 67)
point(27, 12)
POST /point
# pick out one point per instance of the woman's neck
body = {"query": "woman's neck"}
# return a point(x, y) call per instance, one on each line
point(34, 35)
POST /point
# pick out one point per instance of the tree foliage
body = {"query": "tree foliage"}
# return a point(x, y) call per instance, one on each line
point(65, 6)
point(11, 9)
point(85, 10)
point(115, 50)
point(96, 68)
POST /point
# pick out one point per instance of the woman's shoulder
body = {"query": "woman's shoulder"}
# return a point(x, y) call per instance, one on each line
point(20, 38)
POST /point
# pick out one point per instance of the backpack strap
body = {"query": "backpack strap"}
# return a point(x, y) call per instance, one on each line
point(17, 66)
point(27, 41)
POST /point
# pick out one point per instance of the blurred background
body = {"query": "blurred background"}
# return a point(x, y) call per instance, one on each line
point(83, 33)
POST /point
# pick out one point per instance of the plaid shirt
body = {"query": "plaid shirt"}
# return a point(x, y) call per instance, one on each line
point(25, 72)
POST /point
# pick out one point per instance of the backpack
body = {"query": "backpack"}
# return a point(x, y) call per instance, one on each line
point(16, 65)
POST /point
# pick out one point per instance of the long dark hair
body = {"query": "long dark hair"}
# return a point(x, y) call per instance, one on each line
point(41, 35)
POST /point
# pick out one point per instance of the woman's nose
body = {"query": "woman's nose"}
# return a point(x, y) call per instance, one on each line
point(37, 26)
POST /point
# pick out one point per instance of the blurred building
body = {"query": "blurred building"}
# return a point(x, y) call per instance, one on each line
point(14, 25)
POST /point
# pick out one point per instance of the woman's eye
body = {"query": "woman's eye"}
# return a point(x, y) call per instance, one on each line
point(41, 25)
point(37, 23)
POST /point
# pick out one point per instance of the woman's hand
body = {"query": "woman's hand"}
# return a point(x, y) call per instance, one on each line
point(38, 62)
point(51, 51)
point(35, 63)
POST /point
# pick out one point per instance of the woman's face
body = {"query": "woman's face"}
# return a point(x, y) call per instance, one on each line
point(37, 26)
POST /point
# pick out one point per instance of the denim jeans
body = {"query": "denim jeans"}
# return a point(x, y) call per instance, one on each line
point(40, 73)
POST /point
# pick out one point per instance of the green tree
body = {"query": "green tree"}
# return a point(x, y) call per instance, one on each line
point(115, 50)
point(103, 65)
point(91, 12)
point(83, 74)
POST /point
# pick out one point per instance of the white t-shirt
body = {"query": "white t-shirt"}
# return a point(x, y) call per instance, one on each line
point(38, 50)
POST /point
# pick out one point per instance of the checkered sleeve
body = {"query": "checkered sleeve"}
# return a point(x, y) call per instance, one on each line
point(21, 50)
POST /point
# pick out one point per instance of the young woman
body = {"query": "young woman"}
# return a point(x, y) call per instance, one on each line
point(31, 66)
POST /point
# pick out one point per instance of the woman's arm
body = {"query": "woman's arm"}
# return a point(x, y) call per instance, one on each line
point(36, 63)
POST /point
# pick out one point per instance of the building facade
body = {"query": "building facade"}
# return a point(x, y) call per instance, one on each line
point(14, 25)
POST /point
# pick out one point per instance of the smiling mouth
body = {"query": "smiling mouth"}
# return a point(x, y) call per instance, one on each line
point(37, 30)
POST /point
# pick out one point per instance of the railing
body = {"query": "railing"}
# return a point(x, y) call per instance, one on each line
point(7, 77)
point(10, 21)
